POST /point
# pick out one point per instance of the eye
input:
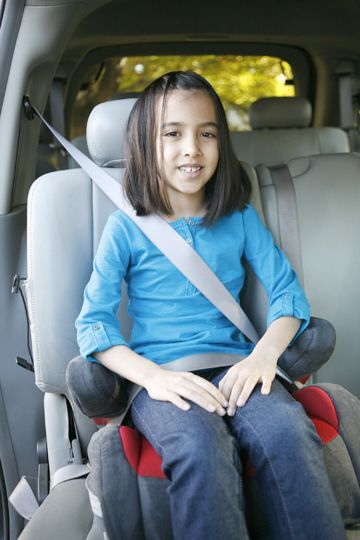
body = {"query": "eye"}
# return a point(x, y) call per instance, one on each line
point(208, 135)
point(172, 134)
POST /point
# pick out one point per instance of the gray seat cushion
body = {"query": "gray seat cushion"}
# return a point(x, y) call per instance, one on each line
point(280, 132)
point(280, 145)
point(65, 513)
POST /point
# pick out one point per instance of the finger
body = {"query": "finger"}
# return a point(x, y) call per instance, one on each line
point(198, 395)
point(266, 385)
point(176, 400)
point(203, 393)
point(246, 391)
point(228, 383)
point(235, 393)
point(224, 386)
point(210, 388)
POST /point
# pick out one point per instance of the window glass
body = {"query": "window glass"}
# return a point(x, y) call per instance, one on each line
point(239, 81)
point(2, 6)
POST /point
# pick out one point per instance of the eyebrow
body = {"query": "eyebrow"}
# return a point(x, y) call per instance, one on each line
point(203, 124)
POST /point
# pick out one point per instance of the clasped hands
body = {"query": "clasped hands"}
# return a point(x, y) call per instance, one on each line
point(234, 388)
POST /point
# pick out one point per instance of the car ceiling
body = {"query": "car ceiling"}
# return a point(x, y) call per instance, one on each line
point(320, 27)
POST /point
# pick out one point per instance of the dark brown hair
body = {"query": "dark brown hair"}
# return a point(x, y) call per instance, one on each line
point(229, 189)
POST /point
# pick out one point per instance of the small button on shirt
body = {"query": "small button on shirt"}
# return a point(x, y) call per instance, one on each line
point(171, 318)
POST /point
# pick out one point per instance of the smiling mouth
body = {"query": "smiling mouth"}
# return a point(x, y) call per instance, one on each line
point(190, 169)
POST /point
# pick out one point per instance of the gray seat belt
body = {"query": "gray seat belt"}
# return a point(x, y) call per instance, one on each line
point(345, 72)
point(348, 110)
point(23, 497)
point(56, 106)
point(288, 217)
point(169, 242)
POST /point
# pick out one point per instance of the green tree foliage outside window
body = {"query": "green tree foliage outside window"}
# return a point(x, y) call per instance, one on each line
point(239, 81)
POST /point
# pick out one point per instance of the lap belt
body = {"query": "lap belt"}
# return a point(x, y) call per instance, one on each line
point(23, 497)
point(167, 240)
point(192, 362)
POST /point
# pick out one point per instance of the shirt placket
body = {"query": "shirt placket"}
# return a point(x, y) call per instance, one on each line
point(186, 233)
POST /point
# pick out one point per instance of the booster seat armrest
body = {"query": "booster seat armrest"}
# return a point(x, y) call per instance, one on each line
point(95, 390)
point(311, 349)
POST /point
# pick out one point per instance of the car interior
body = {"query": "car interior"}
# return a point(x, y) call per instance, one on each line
point(289, 77)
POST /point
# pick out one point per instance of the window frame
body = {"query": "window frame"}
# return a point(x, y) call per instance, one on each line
point(298, 59)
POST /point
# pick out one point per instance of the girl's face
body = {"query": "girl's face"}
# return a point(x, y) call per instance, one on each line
point(187, 146)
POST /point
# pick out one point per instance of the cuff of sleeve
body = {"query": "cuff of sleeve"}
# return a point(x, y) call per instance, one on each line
point(98, 339)
point(290, 306)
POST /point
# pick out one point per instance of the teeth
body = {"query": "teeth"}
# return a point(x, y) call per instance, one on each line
point(190, 169)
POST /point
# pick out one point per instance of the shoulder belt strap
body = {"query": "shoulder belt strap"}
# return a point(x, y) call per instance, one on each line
point(288, 217)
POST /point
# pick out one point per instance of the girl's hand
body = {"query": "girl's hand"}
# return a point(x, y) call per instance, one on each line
point(241, 379)
point(173, 386)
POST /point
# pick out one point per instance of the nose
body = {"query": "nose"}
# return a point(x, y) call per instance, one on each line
point(191, 147)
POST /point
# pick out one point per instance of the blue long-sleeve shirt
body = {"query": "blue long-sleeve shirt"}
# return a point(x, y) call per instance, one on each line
point(171, 318)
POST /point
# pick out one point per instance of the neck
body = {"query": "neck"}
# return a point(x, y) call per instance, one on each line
point(185, 206)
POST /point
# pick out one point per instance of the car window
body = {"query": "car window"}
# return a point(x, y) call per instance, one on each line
point(239, 80)
point(2, 5)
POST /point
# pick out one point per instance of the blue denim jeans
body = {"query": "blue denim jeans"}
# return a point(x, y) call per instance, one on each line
point(200, 453)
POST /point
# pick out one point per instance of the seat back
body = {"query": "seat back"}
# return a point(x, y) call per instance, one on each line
point(280, 132)
point(66, 216)
point(327, 189)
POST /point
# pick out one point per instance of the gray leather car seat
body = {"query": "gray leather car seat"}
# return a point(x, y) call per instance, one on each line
point(81, 143)
point(281, 131)
point(66, 216)
point(327, 190)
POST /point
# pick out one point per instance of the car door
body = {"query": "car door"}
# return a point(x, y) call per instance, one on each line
point(21, 417)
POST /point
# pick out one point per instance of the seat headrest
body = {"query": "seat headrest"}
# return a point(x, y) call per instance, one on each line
point(280, 112)
point(105, 131)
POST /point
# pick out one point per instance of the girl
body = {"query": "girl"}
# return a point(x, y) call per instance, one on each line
point(180, 164)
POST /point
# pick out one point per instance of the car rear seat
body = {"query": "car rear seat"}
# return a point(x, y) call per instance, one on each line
point(81, 143)
point(327, 190)
point(66, 216)
point(280, 131)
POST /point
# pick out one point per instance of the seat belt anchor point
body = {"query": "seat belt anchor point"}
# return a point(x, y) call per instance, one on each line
point(29, 110)
point(24, 364)
point(16, 282)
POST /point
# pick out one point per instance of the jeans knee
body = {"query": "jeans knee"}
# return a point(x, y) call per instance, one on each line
point(204, 446)
point(292, 432)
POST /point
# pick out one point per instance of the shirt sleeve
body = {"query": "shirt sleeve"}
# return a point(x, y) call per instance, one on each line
point(286, 296)
point(97, 324)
